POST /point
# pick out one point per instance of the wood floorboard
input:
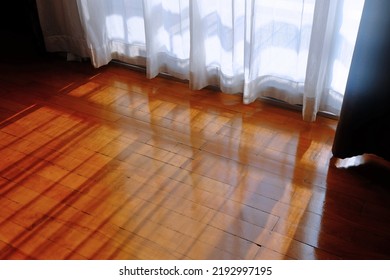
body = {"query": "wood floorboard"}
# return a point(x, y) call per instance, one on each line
point(106, 164)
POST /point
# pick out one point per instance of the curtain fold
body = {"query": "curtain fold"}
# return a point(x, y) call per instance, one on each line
point(114, 30)
point(61, 27)
point(297, 51)
point(279, 45)
point(218, 44)
point(319, 56)
point(167, 37)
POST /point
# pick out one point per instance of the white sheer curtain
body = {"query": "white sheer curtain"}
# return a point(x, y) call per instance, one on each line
point(297, 51)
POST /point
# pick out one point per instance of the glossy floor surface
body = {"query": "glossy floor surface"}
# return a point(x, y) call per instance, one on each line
point(106, 164)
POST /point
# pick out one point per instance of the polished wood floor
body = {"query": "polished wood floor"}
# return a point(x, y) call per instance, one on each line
point(106, 164)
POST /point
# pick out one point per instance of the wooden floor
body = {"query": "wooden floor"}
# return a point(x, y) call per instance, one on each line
point(106, 164)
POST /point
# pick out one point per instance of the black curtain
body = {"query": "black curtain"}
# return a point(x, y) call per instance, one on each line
point(364, 125)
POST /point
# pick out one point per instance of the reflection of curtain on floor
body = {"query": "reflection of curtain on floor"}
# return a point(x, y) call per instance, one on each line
point(292, 50)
